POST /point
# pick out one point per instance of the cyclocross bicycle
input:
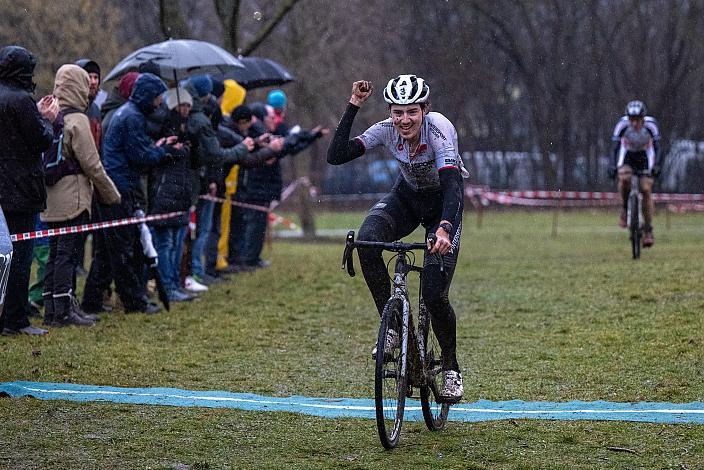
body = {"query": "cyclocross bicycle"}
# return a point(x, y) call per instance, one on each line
point(412, 361)
point(634, 212)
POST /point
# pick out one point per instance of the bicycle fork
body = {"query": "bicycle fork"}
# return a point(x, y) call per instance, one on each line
point(636, 195)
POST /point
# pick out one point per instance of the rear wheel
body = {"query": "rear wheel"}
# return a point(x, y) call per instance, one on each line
point(434, 413)
point(634, 225)
point(390, 378)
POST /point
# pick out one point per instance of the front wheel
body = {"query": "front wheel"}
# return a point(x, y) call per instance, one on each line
point(434, 413)
point(634, 225)
point(390, 378)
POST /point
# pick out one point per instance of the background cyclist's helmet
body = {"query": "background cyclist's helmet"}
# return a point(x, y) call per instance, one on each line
point(406, 89)
point(635, 109)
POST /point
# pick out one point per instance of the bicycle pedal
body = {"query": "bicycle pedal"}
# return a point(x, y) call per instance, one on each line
point(447, 400)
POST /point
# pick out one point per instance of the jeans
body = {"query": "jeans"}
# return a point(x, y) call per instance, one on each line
point(16, 310)
point(166, 245)
point(204, 220)
point(253, 231)
point(211, 247)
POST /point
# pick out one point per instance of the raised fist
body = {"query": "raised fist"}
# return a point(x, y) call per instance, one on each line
point(361, 90)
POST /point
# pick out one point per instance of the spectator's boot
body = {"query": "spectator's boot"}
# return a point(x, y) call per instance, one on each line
point(48, 309)
point(648, 239)
point(76, 308)
point(64, 315)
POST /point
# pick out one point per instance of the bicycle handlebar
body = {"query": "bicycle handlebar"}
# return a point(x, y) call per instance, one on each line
point(397, 247)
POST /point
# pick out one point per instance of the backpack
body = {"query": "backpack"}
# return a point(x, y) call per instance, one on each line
point(56, 166)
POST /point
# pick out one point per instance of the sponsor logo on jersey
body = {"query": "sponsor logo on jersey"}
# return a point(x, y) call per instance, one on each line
point(436, 131)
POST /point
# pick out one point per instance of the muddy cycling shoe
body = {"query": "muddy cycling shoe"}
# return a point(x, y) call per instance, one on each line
point(622, 222)
point(452, 389)
point(648, 239)
point(391, 343)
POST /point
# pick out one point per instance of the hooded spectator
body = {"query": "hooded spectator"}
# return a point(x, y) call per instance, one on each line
point(69, 200)
point(232, 97)
point(25, 132)
point(127, 153)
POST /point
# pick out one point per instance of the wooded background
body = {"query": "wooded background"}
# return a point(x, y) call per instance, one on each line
point(543, 80)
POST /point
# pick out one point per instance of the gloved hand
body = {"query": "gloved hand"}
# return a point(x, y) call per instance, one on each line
point(655, 171)
point(611, 172)
point(174, 153)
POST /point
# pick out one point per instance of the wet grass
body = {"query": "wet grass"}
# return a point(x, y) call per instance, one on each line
point(539, 318)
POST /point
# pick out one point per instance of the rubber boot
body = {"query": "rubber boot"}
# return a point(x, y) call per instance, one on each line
point(65, 315)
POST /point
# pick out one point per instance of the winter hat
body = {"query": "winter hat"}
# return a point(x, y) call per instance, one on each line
point(277, 99)
point(89, 65)
point(258, 110)
point(241, 112)
point(150, 67)
point(126, 84)
point(172, 99)
point(218, 87)
point(234, 96)
point(202, 84)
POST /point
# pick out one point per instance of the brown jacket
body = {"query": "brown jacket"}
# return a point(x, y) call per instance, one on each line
point(72, 195)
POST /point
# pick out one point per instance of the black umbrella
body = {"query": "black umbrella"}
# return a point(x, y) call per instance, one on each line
point(259, 72)
point(179, 59)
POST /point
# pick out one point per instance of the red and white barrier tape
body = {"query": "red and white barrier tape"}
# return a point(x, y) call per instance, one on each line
point(682, 208)
point(565, 198)
point(53, 232)
point(275, 220)
point(235, 203)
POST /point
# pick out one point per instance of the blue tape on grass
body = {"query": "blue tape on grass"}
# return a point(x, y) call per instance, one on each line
point(482, 410)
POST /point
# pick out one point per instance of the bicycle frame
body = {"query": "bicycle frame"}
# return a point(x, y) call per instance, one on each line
point(417, 362)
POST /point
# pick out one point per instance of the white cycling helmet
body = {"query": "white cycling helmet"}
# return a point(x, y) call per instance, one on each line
point(635, 109)
point(406, 89)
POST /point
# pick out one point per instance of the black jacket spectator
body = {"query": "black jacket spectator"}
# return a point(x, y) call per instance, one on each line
point(24, 135)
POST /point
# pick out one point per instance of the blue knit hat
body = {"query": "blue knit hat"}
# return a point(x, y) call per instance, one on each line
point(202, 84)
point(218, 87)
point(277, 99)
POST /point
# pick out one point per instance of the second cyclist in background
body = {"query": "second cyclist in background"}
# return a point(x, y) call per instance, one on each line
point(636, 141)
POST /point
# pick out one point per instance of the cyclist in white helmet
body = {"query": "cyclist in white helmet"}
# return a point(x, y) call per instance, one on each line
point(428, 192)
point(636, 140)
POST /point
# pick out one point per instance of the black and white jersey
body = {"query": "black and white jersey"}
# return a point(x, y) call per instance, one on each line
point(631, 140)
point(437, 149)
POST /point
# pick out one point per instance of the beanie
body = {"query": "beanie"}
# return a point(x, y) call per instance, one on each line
point(218, 87)
point(126, 84)
point(89, 66)
point(241, 112)
point(150, 67)
point(202, 84)
point(173, 99)
point(258, 110)
point(277, 99)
